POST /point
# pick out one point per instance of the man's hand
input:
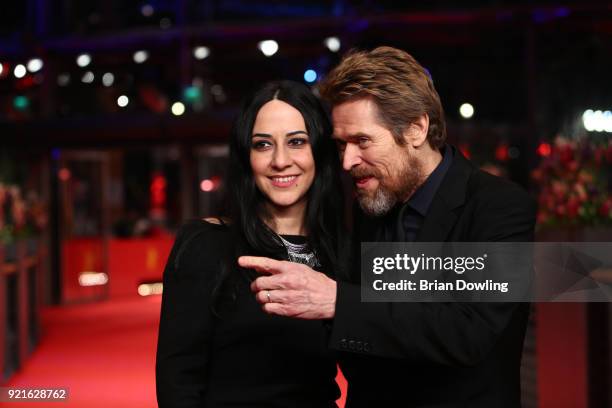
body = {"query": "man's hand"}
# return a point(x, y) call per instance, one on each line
point(291, 289)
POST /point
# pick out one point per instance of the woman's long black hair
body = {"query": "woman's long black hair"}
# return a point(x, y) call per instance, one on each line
point(249, 233)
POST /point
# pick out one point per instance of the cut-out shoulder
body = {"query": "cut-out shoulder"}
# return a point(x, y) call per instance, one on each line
point(212, 220)
point(216, 220)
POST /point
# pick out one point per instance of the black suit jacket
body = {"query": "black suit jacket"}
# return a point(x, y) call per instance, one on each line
point(440, 354)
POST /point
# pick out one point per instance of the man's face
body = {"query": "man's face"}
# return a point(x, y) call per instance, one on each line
point(384, 172)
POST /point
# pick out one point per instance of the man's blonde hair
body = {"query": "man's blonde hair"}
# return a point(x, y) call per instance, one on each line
point(400, 87)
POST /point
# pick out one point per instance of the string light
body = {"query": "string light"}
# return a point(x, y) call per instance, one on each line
point(201, 52)
point(268, 47)
point(597, 121)
point(123, 101)
point(466, 110)
point(35, 65)
point(88, 77)
point(332, 43)
point(19, 71)
point(83, 60)
point(141, 56)
point(108, 79)
point(178, 108)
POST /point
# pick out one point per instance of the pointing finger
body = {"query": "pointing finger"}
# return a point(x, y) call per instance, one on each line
point(261, 264)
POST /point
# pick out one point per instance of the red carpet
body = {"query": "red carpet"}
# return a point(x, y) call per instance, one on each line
point(104, 353)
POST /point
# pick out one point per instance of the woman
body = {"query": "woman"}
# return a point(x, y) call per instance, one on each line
point(216, 347)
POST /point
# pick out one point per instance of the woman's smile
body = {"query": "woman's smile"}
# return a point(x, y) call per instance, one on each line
point(284, 181)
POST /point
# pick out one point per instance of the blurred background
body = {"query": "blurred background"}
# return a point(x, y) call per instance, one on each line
point(114, 117)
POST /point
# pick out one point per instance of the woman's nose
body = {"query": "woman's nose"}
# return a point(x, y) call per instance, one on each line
point(281, 158)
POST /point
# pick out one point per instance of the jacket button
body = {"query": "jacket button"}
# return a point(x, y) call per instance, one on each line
point(366, 347)
point(352, 345)
point(343, 344)
point(359, 346)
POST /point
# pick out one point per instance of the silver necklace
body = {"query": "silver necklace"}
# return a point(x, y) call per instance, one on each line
point(300, 253)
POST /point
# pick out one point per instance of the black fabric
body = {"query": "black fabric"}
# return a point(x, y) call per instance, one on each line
point(295, 239)
point(424, 195)
point(439, 354)
point(245, 359)
point(404, 221)
point(413, 213)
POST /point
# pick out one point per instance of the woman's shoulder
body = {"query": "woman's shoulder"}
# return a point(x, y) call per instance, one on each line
point(205, 234)
point(221, 221)
point(202, 229)
point(200, 239)
point(209, 223)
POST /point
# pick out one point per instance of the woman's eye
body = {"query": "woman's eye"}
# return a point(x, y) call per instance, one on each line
point(298, 141)
point(341, 145)
point(261, 144)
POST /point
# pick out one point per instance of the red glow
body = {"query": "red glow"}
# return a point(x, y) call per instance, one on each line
point(158, 191)
point(64, 174)
point(544, 149)
point(207, 185)
point(210, 184)
point(465, 150)
point(25, 82)
point(501, 152)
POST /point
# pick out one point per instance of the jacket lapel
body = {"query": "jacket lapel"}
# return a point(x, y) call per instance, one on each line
point(451, 194)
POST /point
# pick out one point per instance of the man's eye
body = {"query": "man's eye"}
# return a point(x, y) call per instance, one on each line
point(363, 141)
point(298, 141)
point(341, 145)
point(261, 144)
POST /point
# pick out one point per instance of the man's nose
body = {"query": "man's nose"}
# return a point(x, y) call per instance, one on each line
point(350, 157)
point(280, 158)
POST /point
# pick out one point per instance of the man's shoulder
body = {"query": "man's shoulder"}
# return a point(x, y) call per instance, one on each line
point(488, 192)
point(485, 187)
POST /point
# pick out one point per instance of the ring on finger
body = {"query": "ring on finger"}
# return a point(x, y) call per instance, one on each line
point(268, 296)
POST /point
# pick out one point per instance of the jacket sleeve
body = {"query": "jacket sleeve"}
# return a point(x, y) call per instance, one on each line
point(185, 326)
point(451, 334)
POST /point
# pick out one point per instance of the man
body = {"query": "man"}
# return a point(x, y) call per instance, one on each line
point(411, 186)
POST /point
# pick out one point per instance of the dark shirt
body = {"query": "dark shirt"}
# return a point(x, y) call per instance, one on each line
point(404, 222)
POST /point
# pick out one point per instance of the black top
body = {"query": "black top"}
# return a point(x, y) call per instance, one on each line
point(245, 359)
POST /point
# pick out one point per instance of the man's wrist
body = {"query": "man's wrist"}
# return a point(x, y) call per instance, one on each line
point(331, 312)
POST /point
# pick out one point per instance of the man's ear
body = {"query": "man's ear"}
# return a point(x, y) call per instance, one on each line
point(416, 133)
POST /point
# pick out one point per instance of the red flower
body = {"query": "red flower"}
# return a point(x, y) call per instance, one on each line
point(560, 210)
point(573, 205)
point(566, 153)
point(605, 210)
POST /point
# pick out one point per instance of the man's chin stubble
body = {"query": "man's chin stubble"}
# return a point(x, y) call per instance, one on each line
point(379, 204)
point(384, 198)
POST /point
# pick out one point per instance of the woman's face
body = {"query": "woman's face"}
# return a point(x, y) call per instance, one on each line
point(281, 157)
